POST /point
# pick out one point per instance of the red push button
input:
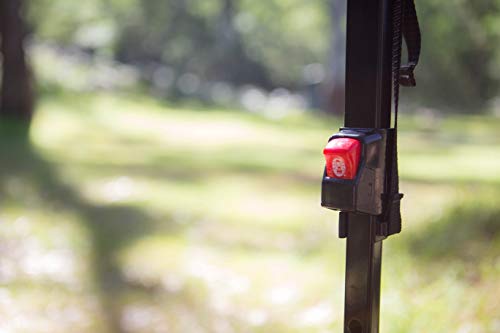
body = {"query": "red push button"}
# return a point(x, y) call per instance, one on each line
point(342, 158)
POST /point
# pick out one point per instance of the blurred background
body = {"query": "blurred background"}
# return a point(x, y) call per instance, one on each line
point(161, 160)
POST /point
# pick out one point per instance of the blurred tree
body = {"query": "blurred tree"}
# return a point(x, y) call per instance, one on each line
point(336, 78)
point(17, 92)
point(238, 41)
point(272, 43)
point(177, 34)
point(460, 63)
point(285, 36)
point(231, 61)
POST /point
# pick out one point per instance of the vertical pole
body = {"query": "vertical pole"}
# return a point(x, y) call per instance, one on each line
point(368, 105)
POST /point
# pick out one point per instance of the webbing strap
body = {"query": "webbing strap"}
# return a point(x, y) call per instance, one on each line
point(405, 25)
point(411, 34)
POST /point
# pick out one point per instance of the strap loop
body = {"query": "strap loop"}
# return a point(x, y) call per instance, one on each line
point(411, 34)
point(405, 25)
point(406, 76)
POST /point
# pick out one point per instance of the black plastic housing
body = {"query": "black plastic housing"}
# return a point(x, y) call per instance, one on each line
point(364, 193)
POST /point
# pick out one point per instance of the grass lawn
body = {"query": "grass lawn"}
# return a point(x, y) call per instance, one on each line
point(125, 214)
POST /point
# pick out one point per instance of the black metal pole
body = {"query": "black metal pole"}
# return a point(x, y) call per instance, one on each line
point(368, 105)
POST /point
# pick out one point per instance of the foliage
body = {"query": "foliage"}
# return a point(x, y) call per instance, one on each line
point(199, 37)
point(269, 43)
point(460, 61)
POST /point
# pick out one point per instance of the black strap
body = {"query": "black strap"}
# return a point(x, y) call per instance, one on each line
point(405, 25)
point(411, 34)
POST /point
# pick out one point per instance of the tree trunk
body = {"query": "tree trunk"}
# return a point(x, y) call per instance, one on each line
point(232, 63)
point(16, 100)
point(336, 77)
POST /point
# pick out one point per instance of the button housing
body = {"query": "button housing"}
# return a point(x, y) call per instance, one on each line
point(363, 191)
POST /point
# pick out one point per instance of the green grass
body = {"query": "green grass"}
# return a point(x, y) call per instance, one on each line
point(122, 213)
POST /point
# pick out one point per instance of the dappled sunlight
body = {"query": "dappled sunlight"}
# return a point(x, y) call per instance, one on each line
point(44, 275)
point(53, 311)
point(464, 149)
point(154, 123)
point(118, 189)
point(162, 166)
point(231, 288)
point(135, 216)
point(27, 257)
point(467, 242)
point(428, 201)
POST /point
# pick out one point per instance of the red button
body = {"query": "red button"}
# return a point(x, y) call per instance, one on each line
point(342, 158)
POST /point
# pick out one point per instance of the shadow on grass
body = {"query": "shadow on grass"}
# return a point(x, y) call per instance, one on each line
point(467, 232)
point(110, 226)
